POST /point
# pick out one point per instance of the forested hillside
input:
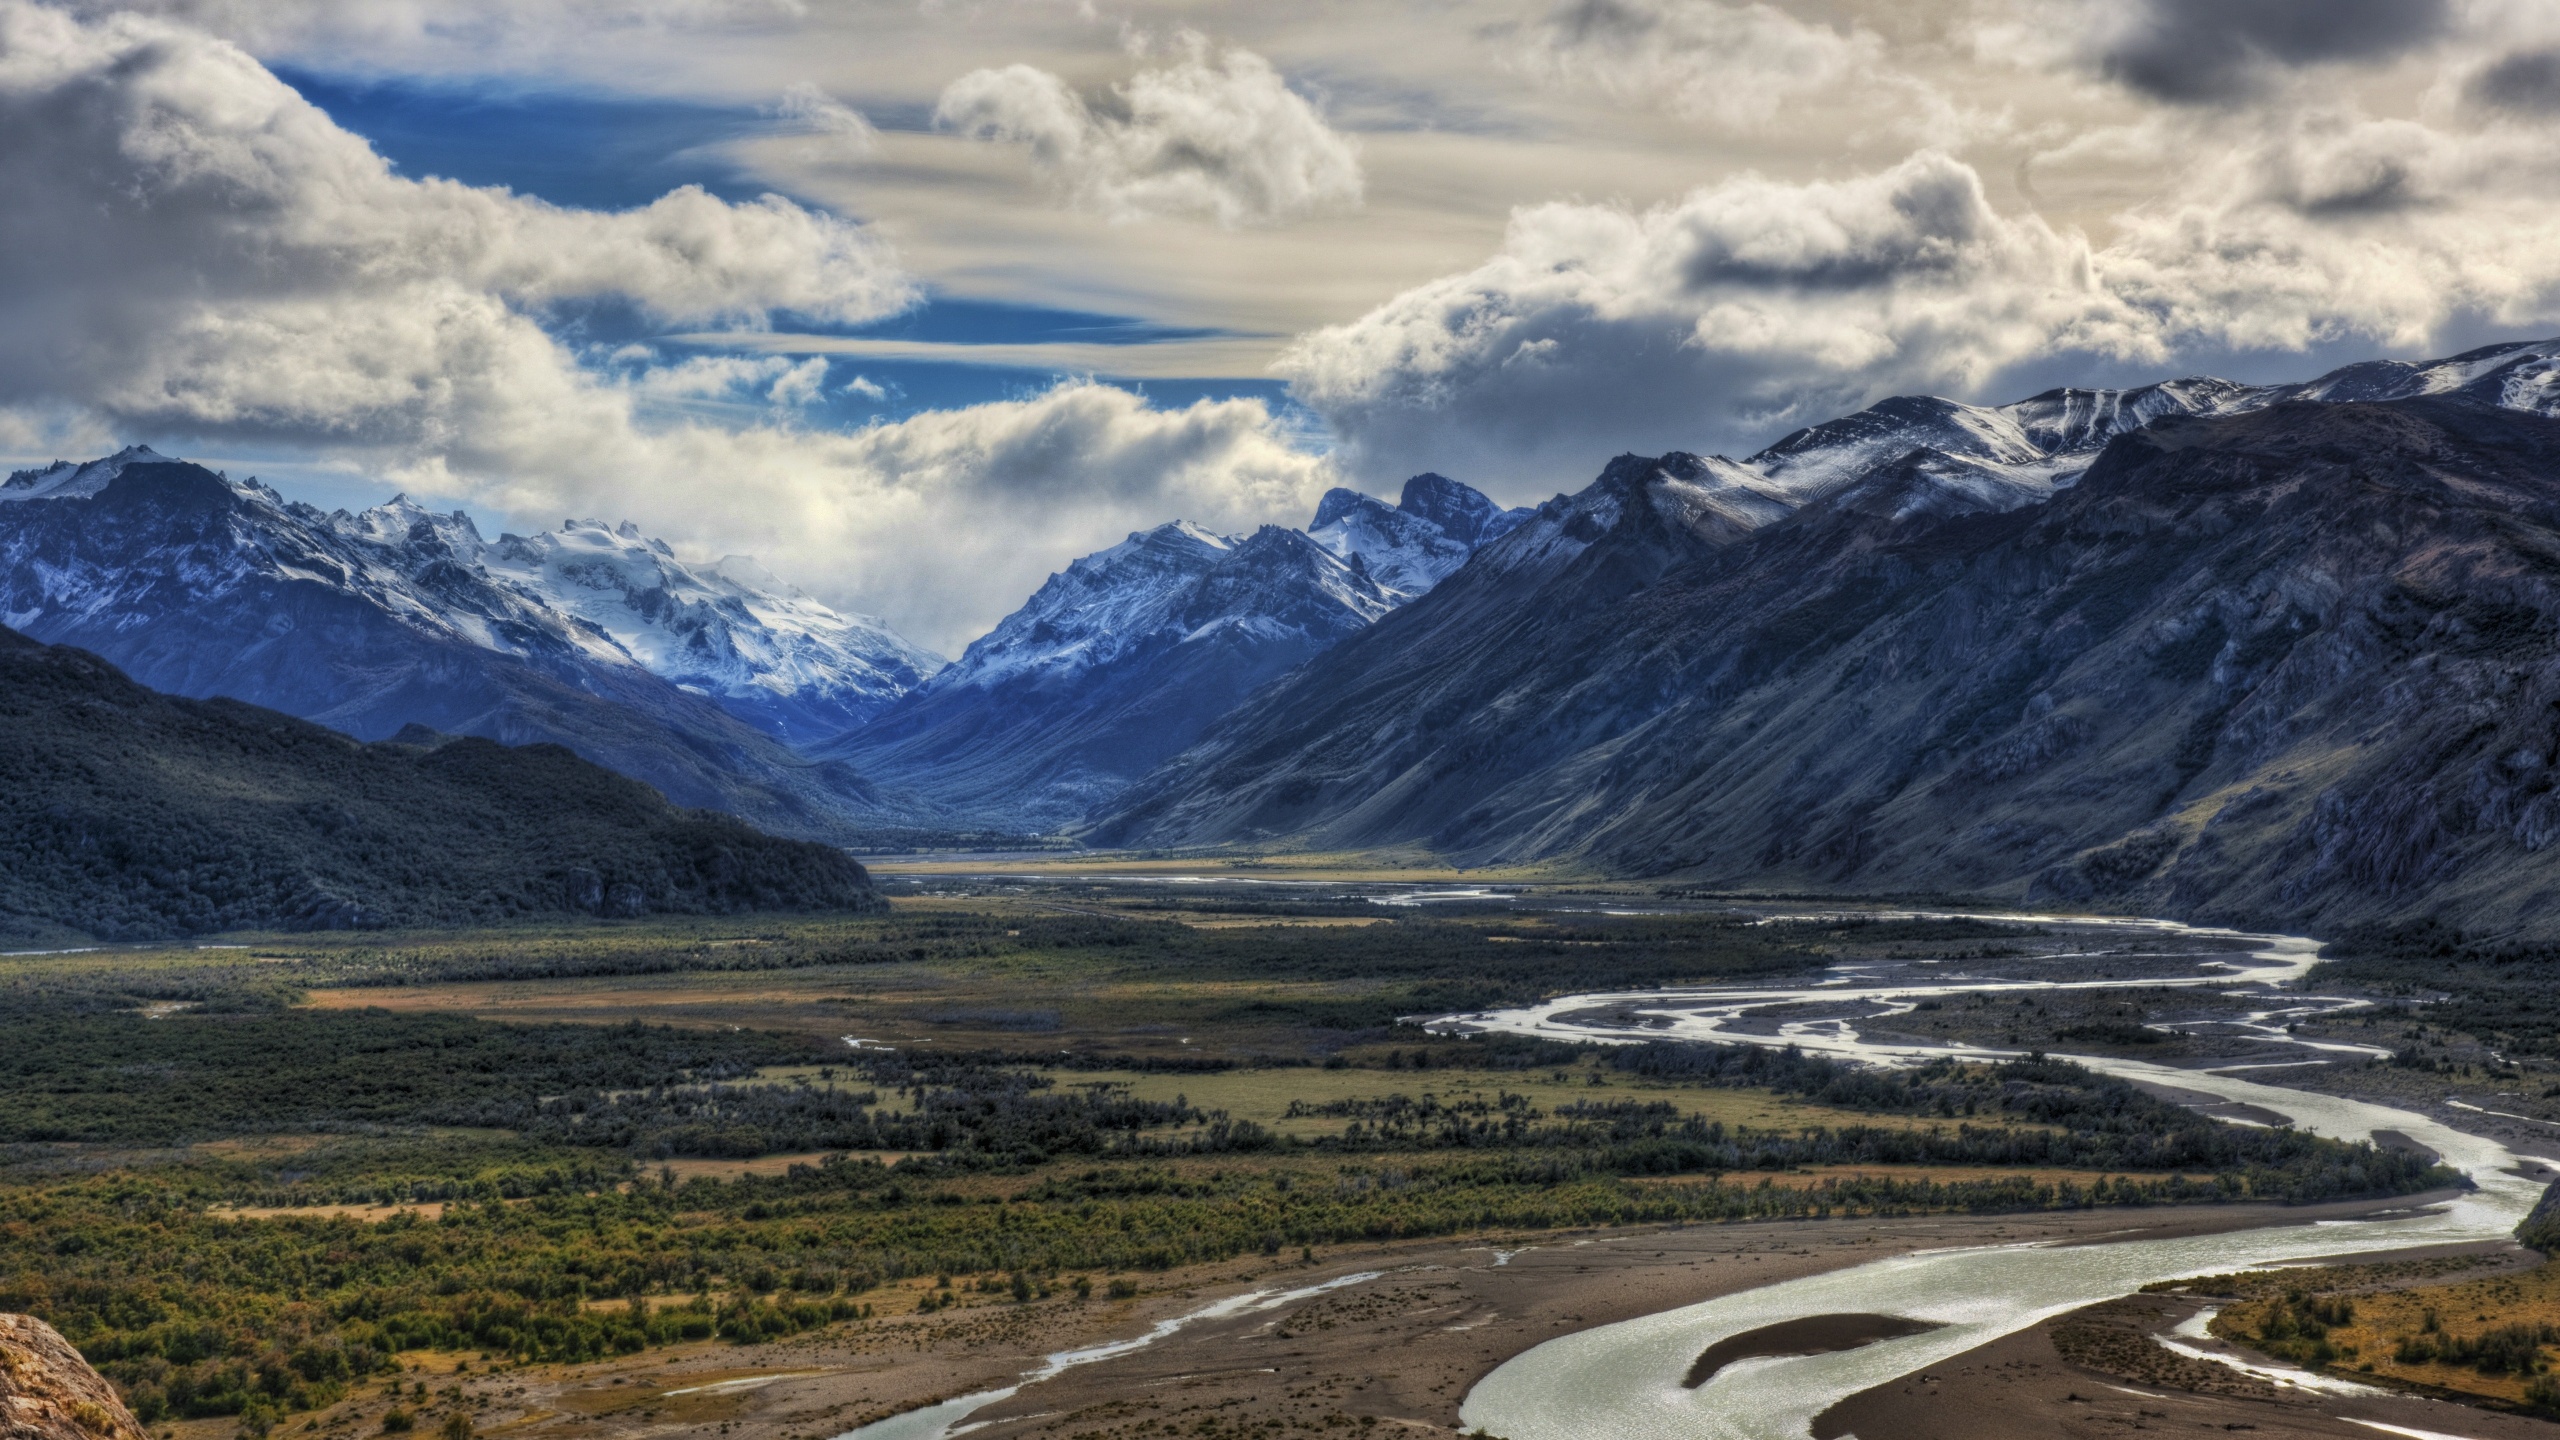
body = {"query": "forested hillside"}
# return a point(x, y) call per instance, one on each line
point(128, 814)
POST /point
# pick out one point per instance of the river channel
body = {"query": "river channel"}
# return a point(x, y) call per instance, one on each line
point(1623, 1381)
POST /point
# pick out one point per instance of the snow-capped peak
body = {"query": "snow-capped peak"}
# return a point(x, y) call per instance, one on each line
point(1998, 457)
point(403, 522)
point(1417, 542)
point(74, 480)
point(586, 594)
point(1096, 609)
point(766, 652)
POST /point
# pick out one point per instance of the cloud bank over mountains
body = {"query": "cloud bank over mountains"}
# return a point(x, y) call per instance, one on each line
point(1575, 227)
point(1756, 304)
point(191, 247)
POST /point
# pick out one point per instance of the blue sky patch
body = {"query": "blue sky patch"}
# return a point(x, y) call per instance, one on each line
point(588, 151)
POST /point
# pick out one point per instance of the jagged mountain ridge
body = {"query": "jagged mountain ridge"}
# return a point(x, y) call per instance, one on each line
point(199, 585)
point(731, 631)
point(1128, 654)
point(1996, 457)
point(127, 814)
point(2289, 662)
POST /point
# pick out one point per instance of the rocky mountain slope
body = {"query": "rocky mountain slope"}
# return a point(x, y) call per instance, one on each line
point(2293, 658)
point(201, 585)
point(128, 814)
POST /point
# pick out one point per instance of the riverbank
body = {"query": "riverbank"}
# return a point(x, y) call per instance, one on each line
point(1401, 1349)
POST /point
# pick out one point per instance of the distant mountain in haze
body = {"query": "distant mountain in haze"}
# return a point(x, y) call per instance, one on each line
point(200, 585)
point(2285, 654)
point(1123, 658)
point(126, 814)
point(1117, 662)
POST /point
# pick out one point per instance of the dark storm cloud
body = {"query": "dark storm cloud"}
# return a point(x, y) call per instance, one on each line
point(2529, 81)
point(2204, 50)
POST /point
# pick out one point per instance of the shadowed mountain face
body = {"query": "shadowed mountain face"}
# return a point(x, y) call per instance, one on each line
point(201, 586)
point(128, 814)
point(2297, 665)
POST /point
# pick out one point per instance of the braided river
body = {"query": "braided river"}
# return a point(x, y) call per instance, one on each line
point(1624, 1381)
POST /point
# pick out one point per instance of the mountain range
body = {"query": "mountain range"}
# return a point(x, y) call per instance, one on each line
point(2281, 654)
point(1122, 659)
point(2198, 647)
point(718, 684)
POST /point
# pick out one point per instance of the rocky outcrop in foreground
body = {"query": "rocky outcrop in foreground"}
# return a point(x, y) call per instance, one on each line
point(47, 1392)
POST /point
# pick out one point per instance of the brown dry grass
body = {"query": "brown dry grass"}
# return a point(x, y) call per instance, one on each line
point(2464, 1308)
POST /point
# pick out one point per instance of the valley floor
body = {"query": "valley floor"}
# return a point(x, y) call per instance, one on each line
point(1155, 1093)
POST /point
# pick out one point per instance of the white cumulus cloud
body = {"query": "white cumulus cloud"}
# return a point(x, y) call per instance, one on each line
point(1215, 135)
point(190, 242)
point(1754, 305)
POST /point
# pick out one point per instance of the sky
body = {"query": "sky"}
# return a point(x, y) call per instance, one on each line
point(917, 300)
